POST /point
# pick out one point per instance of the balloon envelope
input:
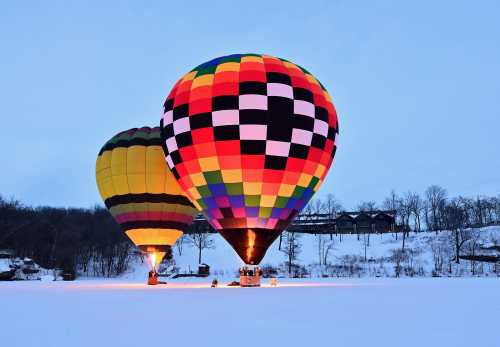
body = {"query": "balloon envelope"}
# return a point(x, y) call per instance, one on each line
point(249, 138)
point(140, 191)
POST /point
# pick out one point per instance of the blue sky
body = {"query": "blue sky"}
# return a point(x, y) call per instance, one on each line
point(416, 85)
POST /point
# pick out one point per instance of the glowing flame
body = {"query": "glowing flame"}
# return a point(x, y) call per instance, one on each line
point(152, 259)
point(251, 243)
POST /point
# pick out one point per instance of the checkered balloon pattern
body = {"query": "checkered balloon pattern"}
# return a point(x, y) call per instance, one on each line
point(249, 138)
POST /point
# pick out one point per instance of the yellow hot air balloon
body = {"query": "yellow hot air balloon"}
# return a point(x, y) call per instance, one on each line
point(141, 193)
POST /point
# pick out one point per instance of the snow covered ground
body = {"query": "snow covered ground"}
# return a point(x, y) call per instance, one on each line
point(330, 312)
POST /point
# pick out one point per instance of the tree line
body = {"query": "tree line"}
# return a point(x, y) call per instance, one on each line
point(87, 241)
point(90, 242)
point(434, 211)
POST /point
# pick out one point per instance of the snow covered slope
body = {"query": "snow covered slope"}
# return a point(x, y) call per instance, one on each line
point(224, 261)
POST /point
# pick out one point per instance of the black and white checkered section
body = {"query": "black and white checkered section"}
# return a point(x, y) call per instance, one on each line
point(271, 118)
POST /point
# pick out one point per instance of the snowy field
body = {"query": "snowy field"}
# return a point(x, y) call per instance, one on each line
point(331, 312)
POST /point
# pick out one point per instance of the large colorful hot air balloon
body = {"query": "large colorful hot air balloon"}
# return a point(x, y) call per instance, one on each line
point(249, 138)
point(140, 191)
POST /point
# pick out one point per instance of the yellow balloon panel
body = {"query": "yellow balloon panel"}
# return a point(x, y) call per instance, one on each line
point(160, 236)
point(156, 170)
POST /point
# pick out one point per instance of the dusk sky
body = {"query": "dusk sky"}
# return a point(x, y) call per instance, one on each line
point(416, 85)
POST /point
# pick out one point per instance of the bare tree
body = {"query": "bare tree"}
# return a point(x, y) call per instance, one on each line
point(405, 211)
point(416, 207)
point(489, 210)
point(454, 220)
point(479, 212)
point(292, 248)
point(366, 243)
point(392, 203)
point(437, 255)
point(325, 246)
point(472, 245)
point(332, 205)
point(468, 209)
point(317, 206)
point(201, 241)
point(367, 206)
point(496, 203)
point(397, 257)
point(179, 244)
point(435, 198)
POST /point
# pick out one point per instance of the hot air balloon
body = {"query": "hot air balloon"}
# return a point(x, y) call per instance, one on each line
point(141, 193)
point(249, 138)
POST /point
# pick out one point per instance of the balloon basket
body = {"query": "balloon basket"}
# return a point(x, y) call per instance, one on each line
point(250, 277)
point(152, 278)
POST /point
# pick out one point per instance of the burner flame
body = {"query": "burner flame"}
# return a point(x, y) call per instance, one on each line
point(152, 259)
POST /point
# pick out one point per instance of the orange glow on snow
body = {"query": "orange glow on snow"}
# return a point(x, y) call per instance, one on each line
point(110, 285)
